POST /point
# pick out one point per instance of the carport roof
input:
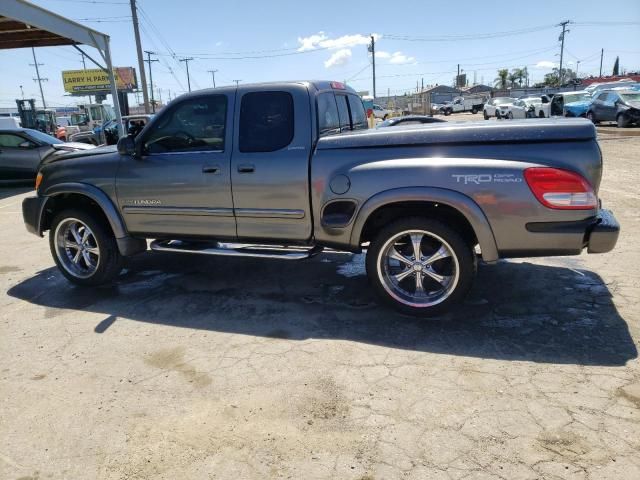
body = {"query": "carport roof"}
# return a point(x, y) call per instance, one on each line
point(23, 24)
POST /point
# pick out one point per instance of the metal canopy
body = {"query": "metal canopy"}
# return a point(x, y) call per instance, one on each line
point(24, 25)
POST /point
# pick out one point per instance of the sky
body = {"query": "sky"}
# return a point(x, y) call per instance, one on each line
point(254, 41)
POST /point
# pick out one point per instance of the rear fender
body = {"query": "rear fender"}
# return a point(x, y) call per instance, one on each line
point(465, 205)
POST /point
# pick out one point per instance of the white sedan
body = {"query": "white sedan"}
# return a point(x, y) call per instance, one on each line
point(492, 106)
point(522, 108)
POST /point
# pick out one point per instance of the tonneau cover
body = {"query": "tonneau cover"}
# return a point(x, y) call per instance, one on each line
point(506, 131)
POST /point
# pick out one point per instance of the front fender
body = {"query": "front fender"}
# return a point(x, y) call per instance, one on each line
point(95, 194)
point(465, 205)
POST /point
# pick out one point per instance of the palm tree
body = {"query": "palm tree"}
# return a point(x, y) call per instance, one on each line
point(513, 78)
point(501, 79)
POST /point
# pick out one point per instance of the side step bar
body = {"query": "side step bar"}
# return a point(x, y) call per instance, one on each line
point(236, 249)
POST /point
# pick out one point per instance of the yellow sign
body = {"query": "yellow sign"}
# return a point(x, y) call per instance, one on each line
point(97, 80)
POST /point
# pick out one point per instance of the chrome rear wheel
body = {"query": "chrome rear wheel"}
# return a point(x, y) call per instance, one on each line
point(418, 268)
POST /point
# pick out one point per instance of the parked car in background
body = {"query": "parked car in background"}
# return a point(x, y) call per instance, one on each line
point(380, 112)
point(571, 104)
point(620, 105)
point(490, 108)
point(133, 124)
point(409, 120)
point(473, 104)
point(9, 122)
point(523, 108)
point(22, 150)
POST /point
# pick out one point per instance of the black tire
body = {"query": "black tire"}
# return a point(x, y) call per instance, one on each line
point(474, 110)
point(591, 116)
point(110, 261)
point(510, 116)
point(447, 112)
point(484, 113)
point(498, 114)
point(622, 121)
point(541, 114)
point(463, 252)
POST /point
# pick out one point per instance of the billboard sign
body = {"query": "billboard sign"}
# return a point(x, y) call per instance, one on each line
point(96, 80)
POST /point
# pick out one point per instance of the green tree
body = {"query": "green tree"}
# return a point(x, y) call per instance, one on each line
point(501, 79)
point(616, 67)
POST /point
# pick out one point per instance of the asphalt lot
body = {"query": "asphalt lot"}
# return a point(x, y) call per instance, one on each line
point(206, 368)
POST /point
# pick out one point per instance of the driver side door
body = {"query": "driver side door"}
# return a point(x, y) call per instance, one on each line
point(179, 183)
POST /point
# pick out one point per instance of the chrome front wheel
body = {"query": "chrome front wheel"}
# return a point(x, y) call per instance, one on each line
point(77, 248)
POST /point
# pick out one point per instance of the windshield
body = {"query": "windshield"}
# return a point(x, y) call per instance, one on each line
point(576, 97)
point(78, 118)
point(43, 137)
point(502, 100)
point(630, 97)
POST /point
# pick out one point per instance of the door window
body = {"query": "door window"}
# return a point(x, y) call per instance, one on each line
point(8, 140)
point(266, 121)
point(193, 125)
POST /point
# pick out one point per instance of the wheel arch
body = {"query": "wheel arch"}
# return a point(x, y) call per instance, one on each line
point(59, 195)
point(454, 206)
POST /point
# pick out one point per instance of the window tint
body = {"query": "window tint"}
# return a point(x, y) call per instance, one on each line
point(10, 141)
point(328, 120)
point(266, 121)
point(343, 112)
point(358, 115)
point(197, 124)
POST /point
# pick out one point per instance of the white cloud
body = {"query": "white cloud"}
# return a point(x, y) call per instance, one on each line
point(320, 40)
point(396, 58)
point(340, 57)
point(399, 58)
point(546, 64)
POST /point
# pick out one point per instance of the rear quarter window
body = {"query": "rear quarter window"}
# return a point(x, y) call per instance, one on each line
point(328, 119)
point(358, 115)
point(266, 121)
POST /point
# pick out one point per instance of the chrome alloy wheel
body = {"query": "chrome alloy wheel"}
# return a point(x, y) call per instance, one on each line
point(418, 268)
point(77, 248)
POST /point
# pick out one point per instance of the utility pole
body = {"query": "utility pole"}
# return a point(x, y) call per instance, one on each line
point(84, 67)
point(153, 102)
point(458, 77)
point(372, 49)
point(160, 95)
point(186, 61)
point(237, 82)
point(38, 79)
point(577, 67)
point(564, 31)
point(143, 76)
point(213, 76)
point(601, 56)
point(22, 92)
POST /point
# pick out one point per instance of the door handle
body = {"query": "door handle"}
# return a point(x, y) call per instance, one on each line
point(246, 168)
point(210, 169)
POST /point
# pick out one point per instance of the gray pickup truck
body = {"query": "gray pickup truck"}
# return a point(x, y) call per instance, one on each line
point(283, 170)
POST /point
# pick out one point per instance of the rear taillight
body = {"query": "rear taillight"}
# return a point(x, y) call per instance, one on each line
point(338, 86)
point(560, 189)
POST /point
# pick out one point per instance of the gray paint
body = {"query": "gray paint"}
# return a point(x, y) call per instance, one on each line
point(282, 200)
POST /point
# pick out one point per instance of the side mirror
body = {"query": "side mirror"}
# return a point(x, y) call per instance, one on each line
point(126, 146)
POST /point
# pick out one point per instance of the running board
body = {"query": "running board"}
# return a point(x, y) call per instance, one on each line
point(236, 249)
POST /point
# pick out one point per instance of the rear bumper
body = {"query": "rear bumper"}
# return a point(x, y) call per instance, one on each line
point(597, 234)
point(32, 208)
point(602, 236)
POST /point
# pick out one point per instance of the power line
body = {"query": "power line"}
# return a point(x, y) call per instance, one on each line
point(471, 36)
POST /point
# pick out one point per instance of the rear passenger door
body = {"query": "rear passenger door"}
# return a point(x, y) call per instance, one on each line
point(270, 163)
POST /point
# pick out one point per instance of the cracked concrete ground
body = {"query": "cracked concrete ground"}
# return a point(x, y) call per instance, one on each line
point(236, 368)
